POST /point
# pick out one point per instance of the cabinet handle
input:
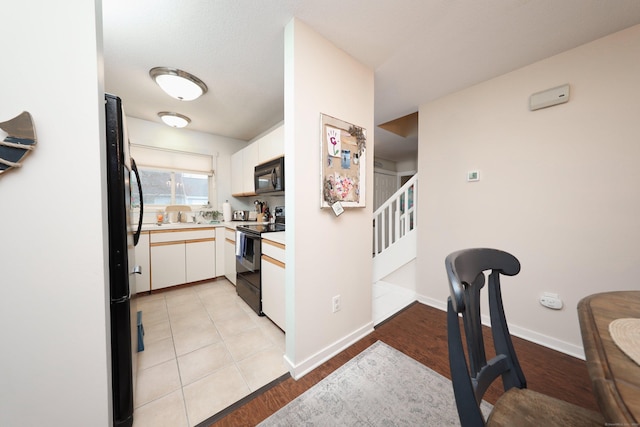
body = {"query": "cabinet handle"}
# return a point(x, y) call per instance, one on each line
point(137, 270)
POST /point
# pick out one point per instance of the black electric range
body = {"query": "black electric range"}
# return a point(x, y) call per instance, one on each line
point(249, 261)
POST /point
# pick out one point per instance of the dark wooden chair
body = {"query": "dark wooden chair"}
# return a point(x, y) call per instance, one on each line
point(518, 406)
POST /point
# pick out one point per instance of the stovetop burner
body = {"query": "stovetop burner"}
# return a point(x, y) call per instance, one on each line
point(261, 228)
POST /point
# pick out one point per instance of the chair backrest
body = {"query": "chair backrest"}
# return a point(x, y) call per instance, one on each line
point(466, 273)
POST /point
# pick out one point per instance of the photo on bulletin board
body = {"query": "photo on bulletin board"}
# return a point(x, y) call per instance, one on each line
point(343, 163)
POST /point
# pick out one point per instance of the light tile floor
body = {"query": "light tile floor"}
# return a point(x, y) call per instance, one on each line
point(204, 350)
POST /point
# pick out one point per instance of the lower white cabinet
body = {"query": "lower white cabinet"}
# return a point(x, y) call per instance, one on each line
point(143, 280)
point(200, 258)
point(230, 255)
point(167, 265)
point(182, 256)
point(220, 249)
point(273, 282)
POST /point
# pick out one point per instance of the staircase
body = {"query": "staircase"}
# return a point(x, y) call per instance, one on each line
point(394, 230)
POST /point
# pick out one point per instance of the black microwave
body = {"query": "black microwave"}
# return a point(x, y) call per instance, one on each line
point(269, 177)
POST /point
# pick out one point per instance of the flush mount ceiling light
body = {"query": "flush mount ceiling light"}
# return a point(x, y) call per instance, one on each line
point(178, 84)
point(174, 119)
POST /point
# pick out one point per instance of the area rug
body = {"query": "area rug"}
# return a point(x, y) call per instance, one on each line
point(379, 387)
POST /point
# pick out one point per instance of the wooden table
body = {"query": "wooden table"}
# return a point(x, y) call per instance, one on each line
point(614, 375)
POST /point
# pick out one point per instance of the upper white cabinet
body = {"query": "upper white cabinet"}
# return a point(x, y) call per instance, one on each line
point(243, 162)
point(271, 146)
point(237, 171)
point(249, 162)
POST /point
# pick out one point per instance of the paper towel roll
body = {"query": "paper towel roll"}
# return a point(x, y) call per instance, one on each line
point(226, 211)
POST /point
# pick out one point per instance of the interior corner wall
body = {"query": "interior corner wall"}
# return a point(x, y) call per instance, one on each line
point(326, 255)
point(558, 187)
point(53, 272)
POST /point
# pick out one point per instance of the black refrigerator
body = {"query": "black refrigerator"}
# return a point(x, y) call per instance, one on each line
point(123, 192)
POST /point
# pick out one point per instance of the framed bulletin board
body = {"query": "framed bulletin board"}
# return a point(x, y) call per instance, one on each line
point(343, 163)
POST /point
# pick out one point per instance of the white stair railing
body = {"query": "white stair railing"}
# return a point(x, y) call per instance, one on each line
point(396, 217)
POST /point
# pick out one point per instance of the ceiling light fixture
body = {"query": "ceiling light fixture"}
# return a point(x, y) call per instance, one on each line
point(178, 84)
point(174, 119)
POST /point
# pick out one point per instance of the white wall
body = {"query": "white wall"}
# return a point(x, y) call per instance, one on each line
point(558, 188)
point(326, 255)
point(404, 277)
point(400, 167)
point(144, 132)
point(53, 274)
point(406, 166)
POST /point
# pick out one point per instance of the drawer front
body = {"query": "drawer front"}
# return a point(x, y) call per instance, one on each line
point(230, 234)
point(273, 249)
point(182, 235)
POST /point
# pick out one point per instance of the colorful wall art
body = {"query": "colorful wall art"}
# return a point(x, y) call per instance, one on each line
point(343, 163)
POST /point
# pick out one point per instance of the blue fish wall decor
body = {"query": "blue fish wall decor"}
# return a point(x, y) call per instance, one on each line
point(20, 140)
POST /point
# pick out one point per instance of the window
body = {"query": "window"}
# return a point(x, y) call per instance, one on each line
point(171, 177)
point(162, 187)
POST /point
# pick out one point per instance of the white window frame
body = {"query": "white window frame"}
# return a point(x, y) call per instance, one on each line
point(175, 161)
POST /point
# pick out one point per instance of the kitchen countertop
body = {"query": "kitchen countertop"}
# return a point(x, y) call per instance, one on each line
point(179, 225)
point(278, 236)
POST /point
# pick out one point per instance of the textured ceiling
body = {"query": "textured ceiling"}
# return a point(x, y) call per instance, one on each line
point(420, 50)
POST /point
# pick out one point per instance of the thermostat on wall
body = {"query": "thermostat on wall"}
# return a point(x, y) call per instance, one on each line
point(473, 176)
point(549, 97)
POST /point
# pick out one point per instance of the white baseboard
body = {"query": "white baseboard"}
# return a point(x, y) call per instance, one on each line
point(432, 302)
point(306, 366)
point(517, 331)
point(544, 340)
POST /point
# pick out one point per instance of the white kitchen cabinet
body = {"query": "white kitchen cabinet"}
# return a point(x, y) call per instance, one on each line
point(220, 264)
point(271, 145)
point(179, 256)
point(200, 258)
point(230, 254)
point(243, 164)
point(143, 280)
point(249, 163)
point(273, 282)
point(167, 265)
point(237, 180)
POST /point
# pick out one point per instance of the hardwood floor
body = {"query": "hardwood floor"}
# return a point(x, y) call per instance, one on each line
point(420, 332)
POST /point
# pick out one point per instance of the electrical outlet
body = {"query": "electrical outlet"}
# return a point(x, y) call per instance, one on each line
point(336, 304)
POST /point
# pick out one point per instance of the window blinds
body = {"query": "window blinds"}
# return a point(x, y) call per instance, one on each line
point(162, 158)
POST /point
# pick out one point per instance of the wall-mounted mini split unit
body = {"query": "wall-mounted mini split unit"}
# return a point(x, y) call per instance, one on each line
point(549, 97)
